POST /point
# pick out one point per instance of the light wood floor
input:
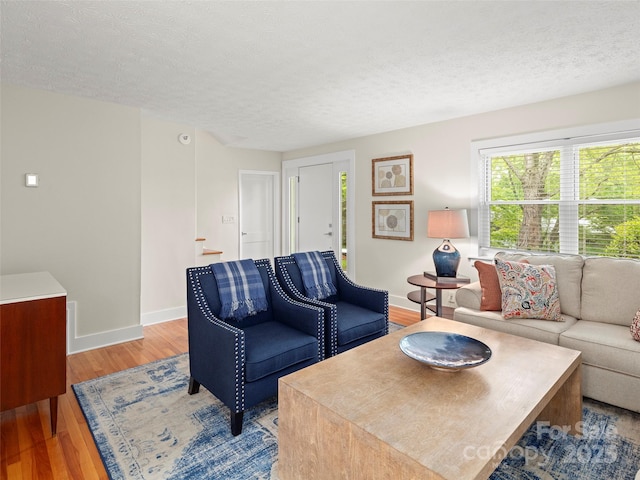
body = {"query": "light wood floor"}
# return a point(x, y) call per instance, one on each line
point(27, 449)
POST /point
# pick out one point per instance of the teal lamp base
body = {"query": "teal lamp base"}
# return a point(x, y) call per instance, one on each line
point(446, 259)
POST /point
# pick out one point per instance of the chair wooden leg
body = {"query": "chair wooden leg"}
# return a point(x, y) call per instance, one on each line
point(236, 423)
point(194, 386)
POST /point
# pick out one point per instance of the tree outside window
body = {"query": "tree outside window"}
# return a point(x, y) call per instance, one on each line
point(573, 198)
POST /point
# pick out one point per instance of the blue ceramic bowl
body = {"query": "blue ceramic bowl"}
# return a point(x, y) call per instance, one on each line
point(445, 350)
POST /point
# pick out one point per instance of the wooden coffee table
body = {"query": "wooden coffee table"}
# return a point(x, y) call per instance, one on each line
point(374, 413)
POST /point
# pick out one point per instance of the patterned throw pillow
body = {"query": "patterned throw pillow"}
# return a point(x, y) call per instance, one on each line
point(635, 327)
point(528, 291)
point(491, 300)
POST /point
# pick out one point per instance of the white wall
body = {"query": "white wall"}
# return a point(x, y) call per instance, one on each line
point(120, 201)
point(118, 208)
point(82, 223)
point(217, 189)
point(168, 215)
point(443, 176)
point(185, 191)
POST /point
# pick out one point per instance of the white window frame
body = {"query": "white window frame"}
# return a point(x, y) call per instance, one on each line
point(561, 139)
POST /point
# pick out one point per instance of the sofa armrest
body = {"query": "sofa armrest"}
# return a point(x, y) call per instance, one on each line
point(365, 297)
point(469, 296)
point(301, 316)
point(216, 355)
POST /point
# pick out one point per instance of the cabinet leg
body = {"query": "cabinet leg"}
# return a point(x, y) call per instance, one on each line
point(53, 411)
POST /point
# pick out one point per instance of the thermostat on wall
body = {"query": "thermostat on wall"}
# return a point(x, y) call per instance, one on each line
point(31, 179)
point(184, 139)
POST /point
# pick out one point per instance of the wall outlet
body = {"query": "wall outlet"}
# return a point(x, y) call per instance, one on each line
point(452, 299)
point(228, 219)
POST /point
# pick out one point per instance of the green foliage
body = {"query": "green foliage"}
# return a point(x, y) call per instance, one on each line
point(525, 191)
point(626, 240)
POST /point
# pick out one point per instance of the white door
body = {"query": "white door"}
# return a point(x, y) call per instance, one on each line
point(258, 194)
point(315, 208)
point(318, 206)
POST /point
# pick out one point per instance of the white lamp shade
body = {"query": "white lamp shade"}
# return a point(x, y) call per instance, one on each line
point(447, 224)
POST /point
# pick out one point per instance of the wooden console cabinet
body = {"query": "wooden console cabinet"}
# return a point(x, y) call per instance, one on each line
point(33, 341)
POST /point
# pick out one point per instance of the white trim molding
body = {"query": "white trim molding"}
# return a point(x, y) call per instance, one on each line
point(161, 316)
point(83, 343)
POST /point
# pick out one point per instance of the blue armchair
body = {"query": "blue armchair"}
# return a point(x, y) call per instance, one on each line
point(353, 315)
point(240, 361)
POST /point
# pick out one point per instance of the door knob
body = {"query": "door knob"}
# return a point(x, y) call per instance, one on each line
point(329, 233)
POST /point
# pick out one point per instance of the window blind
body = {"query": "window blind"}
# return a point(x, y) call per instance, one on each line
point(570, 195)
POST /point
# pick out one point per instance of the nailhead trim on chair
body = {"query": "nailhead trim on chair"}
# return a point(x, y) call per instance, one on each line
point(333, 334)
point(333, 322)
point(240, 347)
point(331, 256)
point(240, 355)
point(265, 263)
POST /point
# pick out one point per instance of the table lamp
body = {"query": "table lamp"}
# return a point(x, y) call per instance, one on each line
point(447, 224)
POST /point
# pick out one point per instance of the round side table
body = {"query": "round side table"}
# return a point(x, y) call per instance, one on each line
point(423, 297)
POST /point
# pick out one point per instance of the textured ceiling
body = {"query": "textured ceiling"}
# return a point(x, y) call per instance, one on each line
point(281, 75)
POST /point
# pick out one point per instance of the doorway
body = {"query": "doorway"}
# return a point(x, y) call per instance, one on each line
point(259, 226)
point(318, 206)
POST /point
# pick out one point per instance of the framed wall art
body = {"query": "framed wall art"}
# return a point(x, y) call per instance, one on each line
point(392, 220)
point(392, 175)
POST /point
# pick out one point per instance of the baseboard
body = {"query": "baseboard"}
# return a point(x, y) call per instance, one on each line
point(83, 343)
point(403, 302)
point(112, 337)
point(162, 316)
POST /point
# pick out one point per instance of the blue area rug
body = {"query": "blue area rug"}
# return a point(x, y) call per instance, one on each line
point(603, 452)
point(146, 426)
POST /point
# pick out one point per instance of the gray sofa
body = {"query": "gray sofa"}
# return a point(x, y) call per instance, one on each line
point(598, 298)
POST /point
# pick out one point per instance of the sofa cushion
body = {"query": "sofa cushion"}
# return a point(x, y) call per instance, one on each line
point(528, 291)
point(604, 345)
point(357, 322)
point(273, 346)
point(568, 275)
point(540, 330)
point(635, 327)
point(470, 296)
point(610, 290)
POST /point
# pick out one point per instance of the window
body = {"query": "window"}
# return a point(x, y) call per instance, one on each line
point(576, 195)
